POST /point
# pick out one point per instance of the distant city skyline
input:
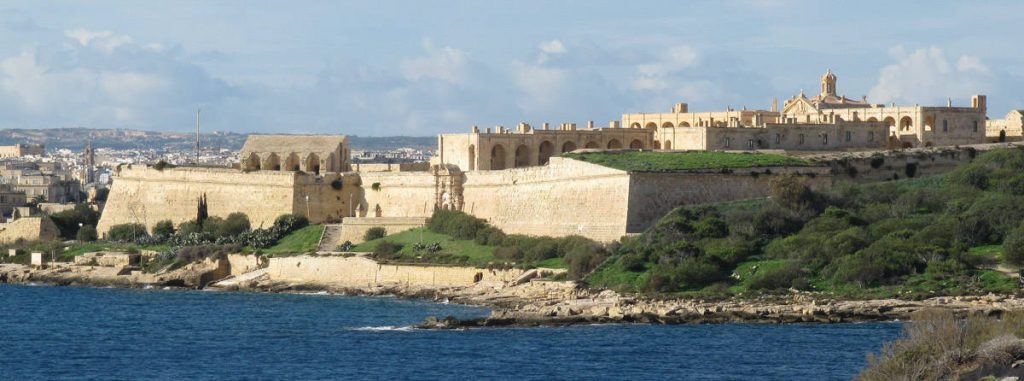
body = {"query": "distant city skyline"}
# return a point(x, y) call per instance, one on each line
point(416, 68)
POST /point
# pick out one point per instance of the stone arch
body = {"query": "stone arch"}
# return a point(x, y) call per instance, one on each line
point(312, 164)
point(472, 157)
point(634, 125)
point(667, 125)
point(684, 124)
point(591, 144)
point(497, 157)
point(292, 162)
point(872, 119)
point(657, 144)
point(614, 144)
point(252, 163)
point(668, 144)
point(906, 123)
point(651, 125)
point(330, 167)
point(272, 162)
point(568, 147)
point(929, 122)
point(891, 123)
point(544, 152)
point(522, 156)
point(636, 144)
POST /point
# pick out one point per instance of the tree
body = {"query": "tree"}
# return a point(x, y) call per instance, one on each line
point(1013, 247)
point(86, 234)
point(164, 228)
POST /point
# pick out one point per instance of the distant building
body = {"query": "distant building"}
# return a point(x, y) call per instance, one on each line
point(22, 150)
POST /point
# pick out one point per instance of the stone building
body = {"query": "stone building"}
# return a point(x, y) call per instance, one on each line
point(308, 153)
point(1006, 129)
point(527, 146)
point(22, 150)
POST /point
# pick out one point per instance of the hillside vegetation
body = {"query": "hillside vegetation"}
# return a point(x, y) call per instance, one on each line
point(909, 238)
point(651, 161)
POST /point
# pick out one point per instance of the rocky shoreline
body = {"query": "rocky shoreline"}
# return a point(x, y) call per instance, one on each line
point(548, 303)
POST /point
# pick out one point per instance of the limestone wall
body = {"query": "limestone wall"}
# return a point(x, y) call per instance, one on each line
point(365, 272)
point(145, 195)
point(242, 263)
point(354, 228)
point(565, 197)
point(391, 167)
point(396, 194)
point(29, 229)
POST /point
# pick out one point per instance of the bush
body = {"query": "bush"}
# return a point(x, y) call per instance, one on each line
point(235, 224)
point(387, 249)
point(459, 225)
point(373, 233)
point(126, 232)
point(877, 161)
point(69, 221)
point(189, 254)
point(287, 223)
point(1013, 247)
point(490, 236)
point(164, 228)
point(776, 278)
point(508, 253)
point(910, 170)
point(86, 234)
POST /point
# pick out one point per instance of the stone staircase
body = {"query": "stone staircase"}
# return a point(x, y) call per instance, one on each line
point(330, 240)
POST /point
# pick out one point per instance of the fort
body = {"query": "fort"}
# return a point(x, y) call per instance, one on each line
point(522, 181)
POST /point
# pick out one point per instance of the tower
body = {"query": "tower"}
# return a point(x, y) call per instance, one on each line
point(828, 83)
point(90, 163)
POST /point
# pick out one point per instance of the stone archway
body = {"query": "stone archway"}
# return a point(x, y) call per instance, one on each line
point(272, 162)
point(472, 157)
point(252, 163)
point(906, 123)
point(651, 125)
point(872, 119)
point(667, 125)
point(891, 123)
point(544, 152)
point(634, 125)
point(568, 147)
point(684, 124)
point(636, 144)
point(668, 144)
point(292, 162)
point(522, 156)
point(592, 144)
point(614, 144)
point(497, 157)
point(312, 164)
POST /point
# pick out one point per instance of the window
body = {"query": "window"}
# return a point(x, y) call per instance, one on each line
point(945, 125)
point(750, 143)
point(871, 136)
point(778, 138)
point(824, 138)
point(800, 140)
point(975, 126)
point(728, 141)
point(849, 135)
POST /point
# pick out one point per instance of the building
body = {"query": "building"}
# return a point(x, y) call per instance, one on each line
point(309, 153)
point(1007, 129)
point(22, 150)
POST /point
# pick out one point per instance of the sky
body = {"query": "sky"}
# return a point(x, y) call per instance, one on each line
point(383, 68)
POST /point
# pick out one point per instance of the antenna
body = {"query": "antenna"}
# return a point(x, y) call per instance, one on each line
point(197, 135)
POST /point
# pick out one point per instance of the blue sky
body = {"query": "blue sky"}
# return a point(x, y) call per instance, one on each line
point(422, 67)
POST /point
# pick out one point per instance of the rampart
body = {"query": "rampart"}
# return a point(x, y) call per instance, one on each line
point(364, 272)
point(354, 228)
point(29, 229)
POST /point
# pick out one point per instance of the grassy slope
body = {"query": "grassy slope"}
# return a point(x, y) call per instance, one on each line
point(475, 254)
point(676, 161)
point(300, 241)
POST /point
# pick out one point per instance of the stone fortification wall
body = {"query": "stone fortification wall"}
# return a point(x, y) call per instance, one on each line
point(330, 196)
point(29, 229)
point(242, 263)
point(396, 194)
point(563, 198)
point(365, 272)
point(391, 167)
point(147, 196)
point(354, 228)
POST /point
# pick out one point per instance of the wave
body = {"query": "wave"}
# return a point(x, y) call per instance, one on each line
point(385, 328)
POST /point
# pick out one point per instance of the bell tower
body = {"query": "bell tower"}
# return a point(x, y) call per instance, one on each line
point(828, 83)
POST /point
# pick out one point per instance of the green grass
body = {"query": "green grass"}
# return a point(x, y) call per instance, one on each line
point(612, 276)
point(474, 254)
point(746, 271)
point(635, 161)
point(987, 253)
point(553, 263)
point(300, 241)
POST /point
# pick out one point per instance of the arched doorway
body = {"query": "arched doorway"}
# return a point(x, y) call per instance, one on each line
point(544, 153)
point(568, 147)
point(684, 124)
point(636, 144)
point(889, 121)
point(292, 162)
point(614, 144)
point(252, 163)
point(313, 164)
point(522, 156)
point(668, 144)
point(634, 125)
point(498, 157)
point(929, 122)
point(272, 162)
point(472, 157)
point(591, 145)
point(667, 125)
point(906, 123)
point(657, 144)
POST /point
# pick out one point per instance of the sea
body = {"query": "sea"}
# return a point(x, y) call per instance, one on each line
point(78, 333)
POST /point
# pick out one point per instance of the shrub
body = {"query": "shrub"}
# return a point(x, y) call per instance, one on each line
point(508, 253)
point(387, 249)
point(189, 254)
point(126, 232)
point(1013, 247)
point(489, 236)
point(375, 186)
point(69, 221)
point(161, 165)
point(235, 224)
point(910, 170)
point(164, 228)
point(287, 223)
point(459, 225)
point(877, 161)
point(86, 234)
point(1002, 136)
point(373, 233)
point(776, 278)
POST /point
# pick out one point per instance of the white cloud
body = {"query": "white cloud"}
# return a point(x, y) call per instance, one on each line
point(659, 75)
point(106, 40)
point(926, 76)
point(445, 64)
point(552, 47)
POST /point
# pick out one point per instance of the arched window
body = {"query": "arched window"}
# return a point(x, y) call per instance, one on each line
point(614, 144)
point(544, 153)
point(568, 147)
point(498, 157)
point(636, 144)
point(522, 156)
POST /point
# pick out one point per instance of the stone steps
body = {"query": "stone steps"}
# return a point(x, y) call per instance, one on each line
point(330, 239)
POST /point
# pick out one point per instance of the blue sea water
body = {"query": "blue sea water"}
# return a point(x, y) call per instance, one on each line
point(51, 333)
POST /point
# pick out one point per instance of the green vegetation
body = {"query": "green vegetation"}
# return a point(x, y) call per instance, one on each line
point(303, 240)
point(126, 232)
point(69, 221)
point(939, 345)
point(647, 161)
point(373, 233)
point(458, 238)
point(919, 237)
point(86, 234)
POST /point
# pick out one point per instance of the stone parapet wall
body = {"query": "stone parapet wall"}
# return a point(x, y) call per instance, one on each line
point(29, 229)
point(364, 272)
point(354, 228)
